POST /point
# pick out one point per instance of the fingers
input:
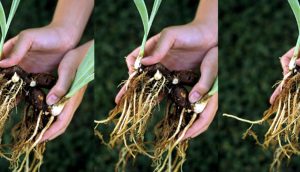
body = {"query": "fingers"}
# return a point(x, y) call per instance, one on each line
point(120, 94)
point(209, 72)
point(285, 60)
point(275, 94)
point(16, 49)
point(64, 119)
point(66, 73)
point(8, 46)
point(166, 41)
point(150, 45)
point(205, 119)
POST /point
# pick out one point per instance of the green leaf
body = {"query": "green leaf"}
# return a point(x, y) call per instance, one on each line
point(12, 12)
point(153, 13)
point(296, 10)
point(214, 88)
point(5, 24)
point(141, 6)
point(147, 23)
point(84, 74)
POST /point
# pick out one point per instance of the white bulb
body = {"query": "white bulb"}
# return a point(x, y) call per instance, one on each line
point(57, 109)
point(199, 107)
point(157, 75)
point(175, 81)
point(137, 64)
point(15, 78)
point(33, 83)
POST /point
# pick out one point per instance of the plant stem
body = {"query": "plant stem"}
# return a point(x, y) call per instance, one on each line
point(296, 10)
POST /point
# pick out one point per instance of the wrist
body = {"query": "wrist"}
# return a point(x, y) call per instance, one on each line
point(67, 33)
point(208, 31)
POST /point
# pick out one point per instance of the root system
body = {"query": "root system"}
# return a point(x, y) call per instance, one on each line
point(131, 116)
point(283, 118)
point(25, 153)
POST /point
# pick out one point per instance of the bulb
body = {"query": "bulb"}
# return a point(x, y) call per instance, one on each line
point(57, 109)
point(157, 75)
point(33, 83)
point(15, 78)
point(175, 81)
point(199, 107)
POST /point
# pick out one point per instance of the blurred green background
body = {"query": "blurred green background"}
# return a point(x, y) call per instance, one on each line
point(118, 31)
point(252, 37)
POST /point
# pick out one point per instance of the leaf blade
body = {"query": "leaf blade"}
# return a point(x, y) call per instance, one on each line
point(84, 74)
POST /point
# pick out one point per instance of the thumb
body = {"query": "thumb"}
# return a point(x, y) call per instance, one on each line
point(16, 49)
point(209, 71)
point(66, 74)
point(165, 43)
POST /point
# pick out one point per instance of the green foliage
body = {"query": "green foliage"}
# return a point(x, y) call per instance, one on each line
point(85, 72)
point(296, 10)
point(253, 34)
point(4, 24)
point(147, 22)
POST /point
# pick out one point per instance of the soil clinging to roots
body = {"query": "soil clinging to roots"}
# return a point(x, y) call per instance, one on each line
point(145, 89)
point(25, 153)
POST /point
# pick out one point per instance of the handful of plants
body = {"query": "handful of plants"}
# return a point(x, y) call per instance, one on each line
point(25, 152)
point(145, 88)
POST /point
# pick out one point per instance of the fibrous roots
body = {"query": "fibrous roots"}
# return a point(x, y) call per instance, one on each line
point(283, 117)
point(25, 153)
point(131, 116)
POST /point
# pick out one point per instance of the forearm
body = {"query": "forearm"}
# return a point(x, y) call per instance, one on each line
point(207, 13)
point(72, 16)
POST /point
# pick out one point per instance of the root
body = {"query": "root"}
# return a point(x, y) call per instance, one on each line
point(31, 149)
point(132, 114)
point(134, 111)
point(169, 146)
point(9, 92)
point(284, 119)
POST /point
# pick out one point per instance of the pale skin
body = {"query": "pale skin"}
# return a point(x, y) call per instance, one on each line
point(192, 46)
point(43, 49)
point(284, 60)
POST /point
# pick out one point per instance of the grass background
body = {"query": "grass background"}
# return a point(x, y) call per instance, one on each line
point(253, 34)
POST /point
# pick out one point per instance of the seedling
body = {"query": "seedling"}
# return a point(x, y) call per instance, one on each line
point(25, 153)
point(143, 89)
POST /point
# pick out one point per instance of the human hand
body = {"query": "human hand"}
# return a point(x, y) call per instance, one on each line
point(38, 50)
point(185, 48)
point(66, 74)
point(179, 48)
point(204, 120)
point(284, 60)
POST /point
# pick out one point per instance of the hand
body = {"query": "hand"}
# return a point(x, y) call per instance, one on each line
point(66, 74)
point(284, 60)
point(186, 48)
point(204, 120)
point(38, 50)
point(182, 48)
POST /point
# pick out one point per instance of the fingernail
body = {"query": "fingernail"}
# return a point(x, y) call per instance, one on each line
point(195, 96)
point(52, 99)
